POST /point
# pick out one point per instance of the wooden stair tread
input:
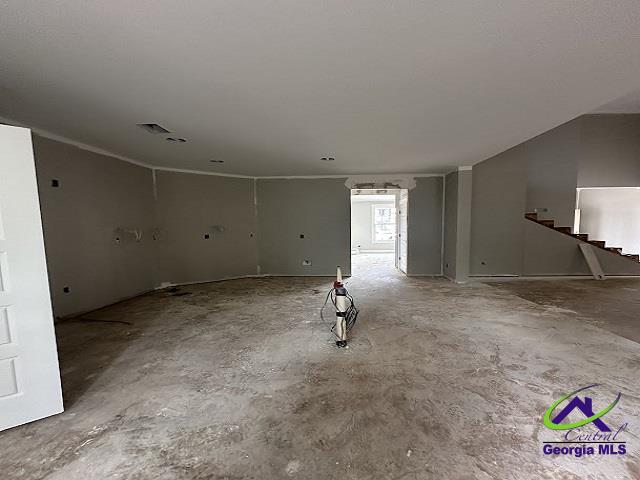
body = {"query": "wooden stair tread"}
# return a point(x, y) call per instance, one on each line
point(533, 216)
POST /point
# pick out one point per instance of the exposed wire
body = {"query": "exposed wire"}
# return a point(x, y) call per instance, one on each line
point(351, 314)
point(98, 320)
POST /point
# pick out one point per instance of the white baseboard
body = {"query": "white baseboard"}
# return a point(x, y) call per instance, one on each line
point(164, 285)
point(241, 277)
point(511, 278)
point(85, 312)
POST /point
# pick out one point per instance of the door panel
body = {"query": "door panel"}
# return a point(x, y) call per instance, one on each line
point(403, 204)
point(29, 374)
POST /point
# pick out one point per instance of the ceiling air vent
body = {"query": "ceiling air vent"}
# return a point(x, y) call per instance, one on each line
point(153, 128)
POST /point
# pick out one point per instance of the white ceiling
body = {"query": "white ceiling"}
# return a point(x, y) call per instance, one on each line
point(629, 103)
point(271, 87)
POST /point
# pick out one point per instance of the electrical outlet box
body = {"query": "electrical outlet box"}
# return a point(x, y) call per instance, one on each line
point(157, 234)
point(306, 263)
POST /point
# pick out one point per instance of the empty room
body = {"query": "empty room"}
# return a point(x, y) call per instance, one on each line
point(319, 239)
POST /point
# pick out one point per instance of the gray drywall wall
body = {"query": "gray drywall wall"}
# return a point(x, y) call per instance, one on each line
point(592, 150)
point(548, 252)
point(498, 206)
point(457, 225)
point(463, 230)
point(609, 151)
point(362, 226)
point(552, 172)
point(96, 195)
point(190, 206)
point(613, 264)
point(613, 215)
point(450, 225)
point(424, 222)
point(319, 209)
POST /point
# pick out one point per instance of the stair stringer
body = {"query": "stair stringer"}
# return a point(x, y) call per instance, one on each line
point(549, 252)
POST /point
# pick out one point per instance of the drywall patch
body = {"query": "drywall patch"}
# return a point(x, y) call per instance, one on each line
point(382, 181)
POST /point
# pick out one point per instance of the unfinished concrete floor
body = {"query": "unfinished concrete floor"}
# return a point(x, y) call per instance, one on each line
point(613, 304)
point(242, 380)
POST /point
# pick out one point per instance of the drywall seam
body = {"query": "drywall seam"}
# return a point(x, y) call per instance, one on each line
point(201, 172)
point(80, 145)
point(444, 199)
point(256, 225)
point(463, 225)
point(255, 195)
point(154, 179)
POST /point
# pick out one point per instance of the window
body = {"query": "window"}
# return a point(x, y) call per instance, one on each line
point(384, 224)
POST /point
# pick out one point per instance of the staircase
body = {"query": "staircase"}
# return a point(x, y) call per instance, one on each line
point(580, 236)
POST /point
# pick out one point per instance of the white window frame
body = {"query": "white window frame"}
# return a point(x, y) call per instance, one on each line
point(373, 223)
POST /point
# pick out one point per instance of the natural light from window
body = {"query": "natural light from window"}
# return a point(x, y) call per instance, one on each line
point(384, 224)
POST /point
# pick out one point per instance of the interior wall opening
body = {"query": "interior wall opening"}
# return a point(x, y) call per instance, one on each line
point(611, 214)
point(377, 223)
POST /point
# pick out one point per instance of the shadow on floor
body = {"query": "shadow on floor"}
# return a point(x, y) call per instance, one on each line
point(89, 343)
point(611, 304)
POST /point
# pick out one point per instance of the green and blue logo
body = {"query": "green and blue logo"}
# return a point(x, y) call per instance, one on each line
point(585, 406)
point(578, 440)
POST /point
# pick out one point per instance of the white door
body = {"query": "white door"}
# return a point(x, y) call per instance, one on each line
point(401, 248)
point(29, 374)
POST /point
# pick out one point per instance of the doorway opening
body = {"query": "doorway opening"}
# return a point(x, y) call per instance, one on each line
point(611, 214)
point(378, 230)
